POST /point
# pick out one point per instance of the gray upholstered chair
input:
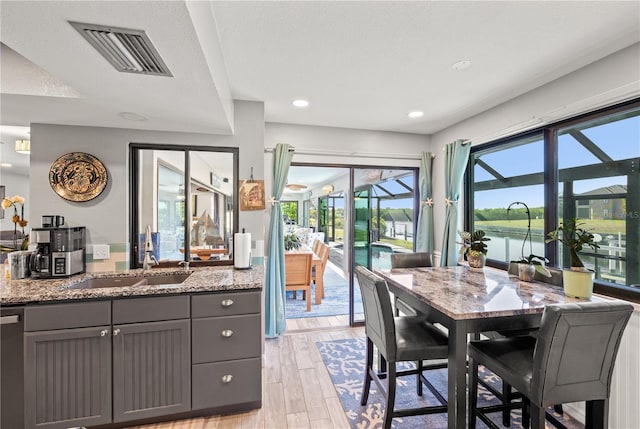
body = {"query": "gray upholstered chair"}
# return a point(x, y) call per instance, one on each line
point(409, 260)
point(398, 339)
point(553, 367)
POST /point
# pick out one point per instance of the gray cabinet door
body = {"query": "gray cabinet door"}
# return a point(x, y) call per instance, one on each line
point(151, 369)
point(68, 377)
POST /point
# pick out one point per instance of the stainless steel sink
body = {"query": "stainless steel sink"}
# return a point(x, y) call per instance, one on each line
point(105, 282)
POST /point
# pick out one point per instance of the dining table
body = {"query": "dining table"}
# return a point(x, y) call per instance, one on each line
point(468, 301)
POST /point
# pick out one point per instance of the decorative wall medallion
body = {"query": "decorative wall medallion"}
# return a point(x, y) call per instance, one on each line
point(78, 176)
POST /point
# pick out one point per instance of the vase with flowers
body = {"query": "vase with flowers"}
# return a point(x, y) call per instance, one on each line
point(18, 220)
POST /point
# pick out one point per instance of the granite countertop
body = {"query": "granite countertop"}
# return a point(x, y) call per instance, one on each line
point(204, 279)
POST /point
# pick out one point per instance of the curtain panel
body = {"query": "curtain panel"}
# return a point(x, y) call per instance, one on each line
point(455, 163)
point(274, 317)
point(424, 242)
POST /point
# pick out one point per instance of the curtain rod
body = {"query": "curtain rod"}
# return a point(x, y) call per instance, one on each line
point(317, 152)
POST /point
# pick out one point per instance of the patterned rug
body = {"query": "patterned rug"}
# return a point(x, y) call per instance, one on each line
point(335, 302)
point(345, 360)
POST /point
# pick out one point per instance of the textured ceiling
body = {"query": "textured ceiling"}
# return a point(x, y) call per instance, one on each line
point(360, 64)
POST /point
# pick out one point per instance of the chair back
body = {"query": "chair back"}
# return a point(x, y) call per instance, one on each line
point(297, 269)
point(378, 313)
point(575, 351)
point(410, 260)
point(316, 245)
point(323, 254)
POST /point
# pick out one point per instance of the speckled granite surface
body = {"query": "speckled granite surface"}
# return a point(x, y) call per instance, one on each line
point(464, 293)
point(205, 279)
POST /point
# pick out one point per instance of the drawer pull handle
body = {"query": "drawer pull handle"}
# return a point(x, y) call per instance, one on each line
point(104, 332)
point(227, 302)
point(227, 333)
point(227, 378)
point(116, 332)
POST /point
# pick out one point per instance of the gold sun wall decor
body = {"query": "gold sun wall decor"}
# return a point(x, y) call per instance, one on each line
point(78, 176)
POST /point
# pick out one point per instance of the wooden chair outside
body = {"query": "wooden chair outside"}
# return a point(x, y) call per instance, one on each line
point(318, 275)
point(316, 246)
point(297, 267)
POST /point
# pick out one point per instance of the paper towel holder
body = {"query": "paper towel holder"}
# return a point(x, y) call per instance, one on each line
point(242, 262)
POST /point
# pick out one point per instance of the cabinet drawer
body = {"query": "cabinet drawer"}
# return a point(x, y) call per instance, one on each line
point(224, 338)
point(137, 310)
point(225, 304)
point(66, 316)
point(226, 383)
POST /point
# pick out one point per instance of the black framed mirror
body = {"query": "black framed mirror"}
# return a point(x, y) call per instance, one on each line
point(187, 195)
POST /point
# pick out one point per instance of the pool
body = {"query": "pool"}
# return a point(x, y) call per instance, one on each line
point(380, 256)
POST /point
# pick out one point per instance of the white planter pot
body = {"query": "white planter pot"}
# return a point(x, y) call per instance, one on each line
point(526, 272)
point(578, 284)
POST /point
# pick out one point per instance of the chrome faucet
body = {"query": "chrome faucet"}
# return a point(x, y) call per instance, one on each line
point(149, 259)
point(185, 263)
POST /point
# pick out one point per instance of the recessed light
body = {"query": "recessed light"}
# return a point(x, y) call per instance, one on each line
point(461, 65)
point(130, 116)
point(416, 114)
point(5, 164)
point(300, 103)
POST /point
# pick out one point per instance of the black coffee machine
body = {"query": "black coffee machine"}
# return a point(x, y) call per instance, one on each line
point(60, 251)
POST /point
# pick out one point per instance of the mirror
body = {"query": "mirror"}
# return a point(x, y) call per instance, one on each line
point(187, 195)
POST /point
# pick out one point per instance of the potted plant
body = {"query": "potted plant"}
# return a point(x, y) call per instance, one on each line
point(577, 280)
point(528, 265)
point(473, 247)
point(291, 241)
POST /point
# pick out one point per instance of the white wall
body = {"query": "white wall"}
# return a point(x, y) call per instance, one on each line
point(107, 216)
point(16, 184)
point(613, 79)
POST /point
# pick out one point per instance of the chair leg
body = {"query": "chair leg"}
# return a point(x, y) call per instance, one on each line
point(473, 392)
point(308, 299)
point(526, 413)
point(537, 416)
point(597, 414)
point(391, 395)
point(558, 408)
point(368, 367)
point(419, 364)
point(506, 399)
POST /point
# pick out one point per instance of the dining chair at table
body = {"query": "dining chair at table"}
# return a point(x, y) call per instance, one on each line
point(409, 260)
point(570, 359)
point(297, 267)
point(506, 394)
point(318, 274)
point(398, 339)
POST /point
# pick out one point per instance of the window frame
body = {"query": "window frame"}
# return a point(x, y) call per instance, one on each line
point(551, 194)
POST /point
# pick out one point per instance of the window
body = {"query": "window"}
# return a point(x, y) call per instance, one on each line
point(290, 212)
point(586, 168)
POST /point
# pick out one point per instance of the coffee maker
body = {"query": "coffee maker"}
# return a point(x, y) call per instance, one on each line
point(60, 251)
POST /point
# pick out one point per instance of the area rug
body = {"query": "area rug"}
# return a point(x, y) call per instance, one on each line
point(345, 360)
point(335, 302)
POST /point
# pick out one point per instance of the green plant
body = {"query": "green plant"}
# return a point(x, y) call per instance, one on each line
point(474, 241)
point(574, 237)
point(291, 241)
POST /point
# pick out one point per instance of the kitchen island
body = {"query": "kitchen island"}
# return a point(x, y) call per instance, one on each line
point(126, 348)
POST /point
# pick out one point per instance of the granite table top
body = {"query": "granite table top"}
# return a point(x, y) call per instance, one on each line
point(465, 293)
point(202, 279)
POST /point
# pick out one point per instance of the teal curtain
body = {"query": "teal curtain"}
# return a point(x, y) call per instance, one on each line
point(455, 162)
point(274, 318)
point(424, 242)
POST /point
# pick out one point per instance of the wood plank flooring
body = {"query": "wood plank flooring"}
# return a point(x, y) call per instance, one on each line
point(297, 391)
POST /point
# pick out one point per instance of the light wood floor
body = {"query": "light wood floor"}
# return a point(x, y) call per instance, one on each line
point(297, 391)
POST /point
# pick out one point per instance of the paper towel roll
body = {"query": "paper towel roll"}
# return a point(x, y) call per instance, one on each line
point(242, 250)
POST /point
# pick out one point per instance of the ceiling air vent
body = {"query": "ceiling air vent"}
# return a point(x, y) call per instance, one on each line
point(127, 50)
